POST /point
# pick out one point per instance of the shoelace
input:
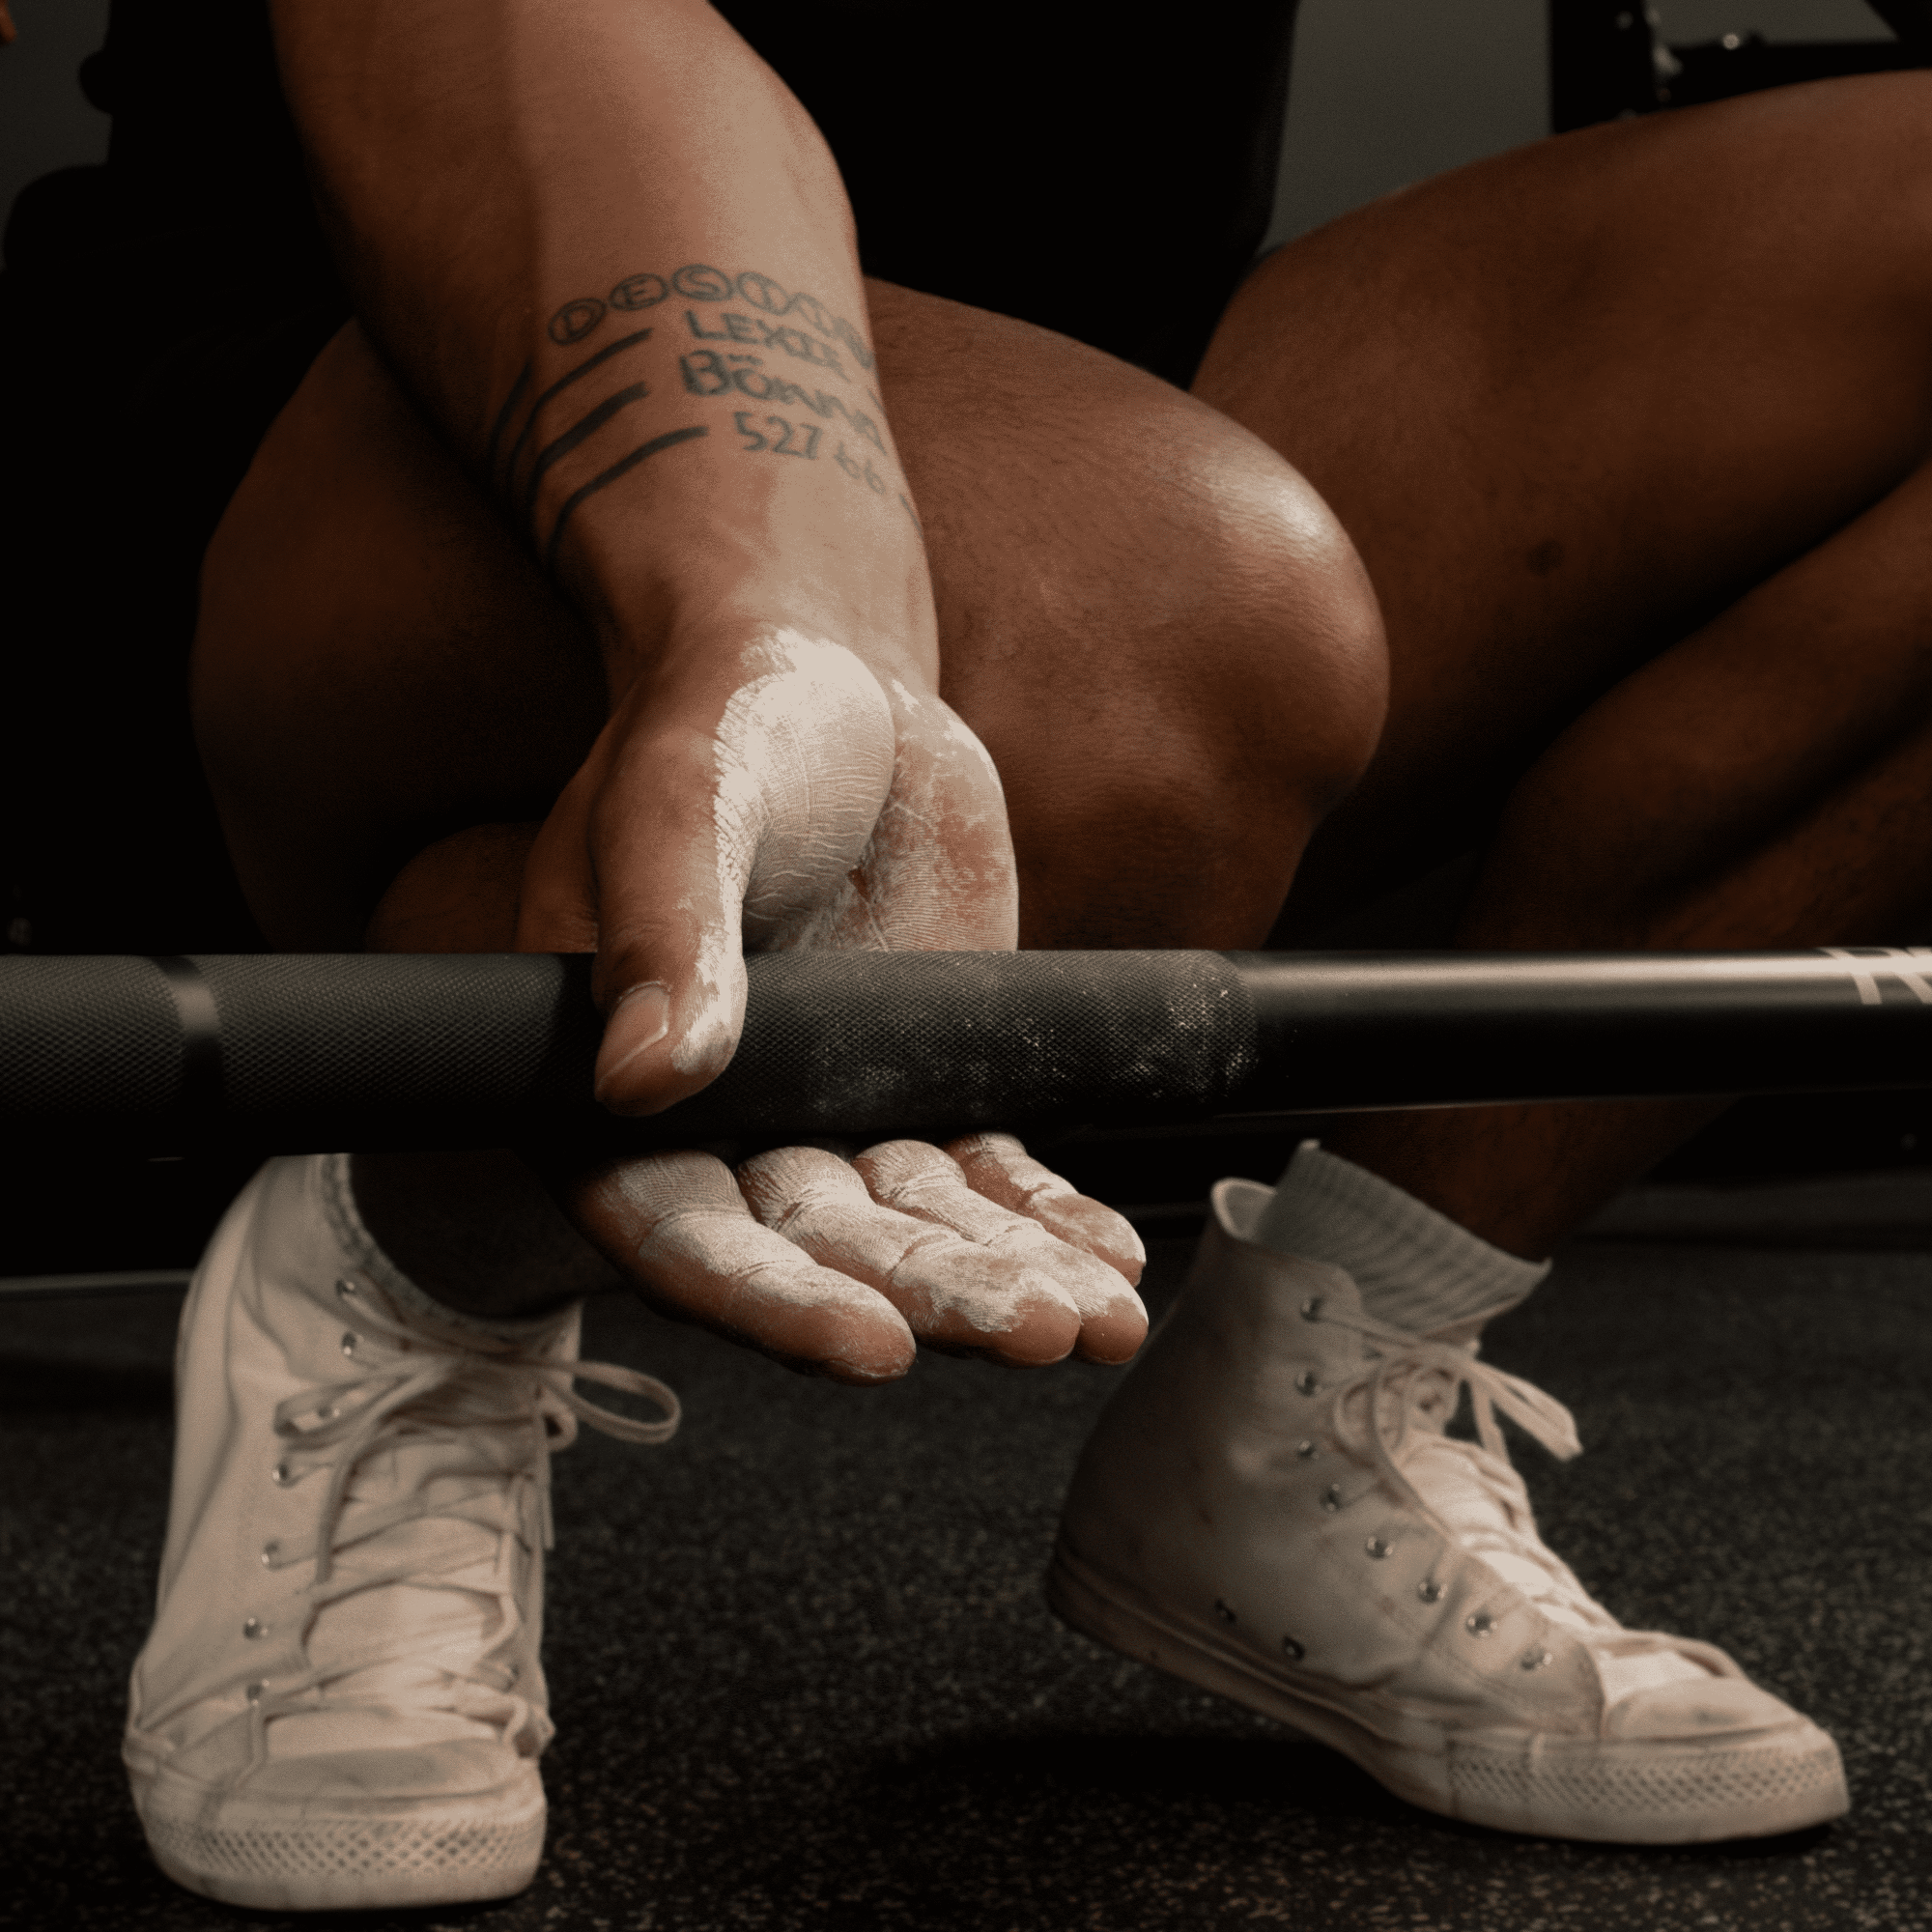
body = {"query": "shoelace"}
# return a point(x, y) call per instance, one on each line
point(450, 1393)
point(1399, 1360)
point(1372, 1416)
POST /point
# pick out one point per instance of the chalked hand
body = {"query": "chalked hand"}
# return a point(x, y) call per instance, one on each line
point(795, 795)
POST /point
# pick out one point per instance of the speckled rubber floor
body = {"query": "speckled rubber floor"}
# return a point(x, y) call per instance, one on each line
point(803, 1677)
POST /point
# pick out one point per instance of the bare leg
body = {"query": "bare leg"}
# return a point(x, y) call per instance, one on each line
point(1153, 624)
point(1630, 430)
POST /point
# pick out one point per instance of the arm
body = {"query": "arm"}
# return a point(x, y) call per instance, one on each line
point(613, 260)
point(622, 200)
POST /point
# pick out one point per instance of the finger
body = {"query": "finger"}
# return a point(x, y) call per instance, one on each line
point(930, 1186)
point(731, 810)
point(999, 1167)
point(952, 1293)
point(677, 1226)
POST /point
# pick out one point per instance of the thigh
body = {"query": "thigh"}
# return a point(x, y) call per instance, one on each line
point(1151, 622)
point(1572, 402)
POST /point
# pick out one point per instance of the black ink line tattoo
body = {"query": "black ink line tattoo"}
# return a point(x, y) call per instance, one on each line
point(608, 476)
point(502, 421)
point(586, 427)
point(562, 383)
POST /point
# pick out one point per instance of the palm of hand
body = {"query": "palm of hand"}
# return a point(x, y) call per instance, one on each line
point(809, 802)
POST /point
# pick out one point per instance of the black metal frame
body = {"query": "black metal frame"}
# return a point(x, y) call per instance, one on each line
point(1607, 64)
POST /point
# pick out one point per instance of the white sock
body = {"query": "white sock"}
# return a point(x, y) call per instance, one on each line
point(1417, 1269)
point(365, 1253)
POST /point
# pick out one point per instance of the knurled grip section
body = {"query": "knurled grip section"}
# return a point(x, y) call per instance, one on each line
point(461, 1050)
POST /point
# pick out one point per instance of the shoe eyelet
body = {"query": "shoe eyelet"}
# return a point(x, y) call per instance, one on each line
point(254, 1627)
point(1304, 1450)
point(1291, 1650)
point(349, 1339)
point(1377, 1547)
point(281, 1475)
point(1535, 1660)
point(1222, 1612)
point(254, 1691)
point(1331, 1498)
point(1429, 1590)
point(327, 1412)
point(1479, 1622)
point(346, 1289)
point(270, 1552)
point(1311, 1309)
point(1308, 1382)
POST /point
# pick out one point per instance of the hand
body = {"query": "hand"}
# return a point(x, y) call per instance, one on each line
point(786, 792)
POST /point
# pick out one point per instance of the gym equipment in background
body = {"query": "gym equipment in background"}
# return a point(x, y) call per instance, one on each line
point(1608, 59)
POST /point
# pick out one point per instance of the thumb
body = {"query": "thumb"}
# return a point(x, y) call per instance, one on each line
point(744, 815)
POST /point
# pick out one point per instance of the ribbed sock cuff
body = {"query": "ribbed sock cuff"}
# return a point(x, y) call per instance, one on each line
point(1417, 1269)
point(416, 1304)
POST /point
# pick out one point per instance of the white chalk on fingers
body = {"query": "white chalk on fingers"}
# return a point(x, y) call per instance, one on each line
point(999, 1167)
point(691, 1235)
point(953, 1292)
point(922, 1180)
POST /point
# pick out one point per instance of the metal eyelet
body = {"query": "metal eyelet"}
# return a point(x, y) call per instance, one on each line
point(1304, 1450)
point(1291, 1650)
point(1331, 1498)
point(255, 1690)
point(270, 1552)
point(346, 1289)
point(1308, 1382)
point(1377, 1547)
point(1311, 1309)
point(1479, 1622)
point(349, 1341)
point(1222, 1612)
point(1535, 1660)
point(253, 1628)
point(1429, 1590)
point(281, 1475)
point(327, 1412)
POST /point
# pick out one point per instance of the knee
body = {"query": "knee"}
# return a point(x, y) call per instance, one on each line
point(1293, 687)
point(1237, 694)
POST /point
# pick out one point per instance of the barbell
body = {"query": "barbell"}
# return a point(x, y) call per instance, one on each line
point(290, 1053)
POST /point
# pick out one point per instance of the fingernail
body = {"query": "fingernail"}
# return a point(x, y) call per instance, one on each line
point(640, 1019)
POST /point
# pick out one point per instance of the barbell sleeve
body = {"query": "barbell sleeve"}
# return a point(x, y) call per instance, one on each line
point(300, 1052)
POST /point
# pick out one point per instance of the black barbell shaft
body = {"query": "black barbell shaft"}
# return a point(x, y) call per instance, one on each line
point(291, 1052)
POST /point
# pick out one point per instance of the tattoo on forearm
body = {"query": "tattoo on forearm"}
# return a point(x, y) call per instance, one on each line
point(582, 431)
point(765, 316)
point(548, 396)
point(779, 435)
point(605, 477)
point(706, 374)
point(698, 281)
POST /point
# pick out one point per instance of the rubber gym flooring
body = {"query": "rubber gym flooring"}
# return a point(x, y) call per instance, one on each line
point(803, 1675)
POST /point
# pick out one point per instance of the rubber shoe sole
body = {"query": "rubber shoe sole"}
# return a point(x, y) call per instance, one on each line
point(341, 1854)
point(1615, 1791)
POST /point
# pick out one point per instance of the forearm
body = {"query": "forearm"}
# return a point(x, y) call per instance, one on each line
point(612, 259)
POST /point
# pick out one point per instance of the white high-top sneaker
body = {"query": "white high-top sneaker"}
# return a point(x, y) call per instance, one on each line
point(1269, 1508)
point(341, 1704)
